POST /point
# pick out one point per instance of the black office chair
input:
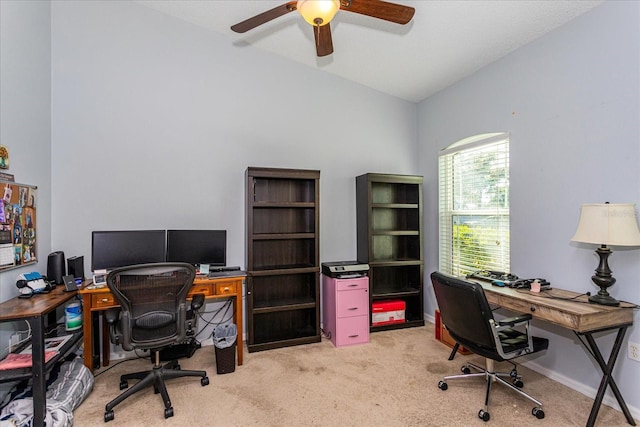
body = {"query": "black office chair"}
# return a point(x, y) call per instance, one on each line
point(466, 313)
point(152, 316)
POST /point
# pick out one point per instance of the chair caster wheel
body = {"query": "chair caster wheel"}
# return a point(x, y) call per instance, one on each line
point(442, 385)
point(124, 384)
point(538, 413)
point(465, 370)
point(204, 381)
point(108, 416)
point(514, 373)
point(168, 412)
point(518, 383)
point(177, 367)
point(484, 415)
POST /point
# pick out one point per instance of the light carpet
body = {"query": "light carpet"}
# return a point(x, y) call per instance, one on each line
point(391, 381)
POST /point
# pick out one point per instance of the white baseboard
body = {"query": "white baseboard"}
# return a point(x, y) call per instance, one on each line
point(590, 392)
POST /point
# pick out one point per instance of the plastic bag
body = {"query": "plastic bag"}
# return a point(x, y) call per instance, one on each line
point(225, 336)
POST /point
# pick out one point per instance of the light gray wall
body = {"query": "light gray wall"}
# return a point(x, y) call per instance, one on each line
point(156, 120)
point(25, 120)
point(571, 102)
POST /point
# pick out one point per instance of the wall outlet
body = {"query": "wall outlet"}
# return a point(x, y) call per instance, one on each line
point(634, 351)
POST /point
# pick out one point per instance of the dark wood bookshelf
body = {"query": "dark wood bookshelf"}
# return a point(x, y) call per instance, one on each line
point(389, 239)
point(283, 290)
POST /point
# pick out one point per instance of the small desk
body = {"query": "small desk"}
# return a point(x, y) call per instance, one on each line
point(574, 312)
point(34, 310)
point(96, 300)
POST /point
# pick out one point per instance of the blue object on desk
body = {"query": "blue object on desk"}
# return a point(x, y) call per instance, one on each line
point(32, 276)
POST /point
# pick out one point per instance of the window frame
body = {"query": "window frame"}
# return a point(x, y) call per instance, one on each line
point(478, 253)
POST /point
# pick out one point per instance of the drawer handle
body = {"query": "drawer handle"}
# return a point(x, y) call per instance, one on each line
point(354, 336)
point(352, 308)
point(353, 285)
point(104, 300)
point(225, 290)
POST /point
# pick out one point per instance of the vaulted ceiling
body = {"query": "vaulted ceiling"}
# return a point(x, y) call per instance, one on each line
point(446, 41)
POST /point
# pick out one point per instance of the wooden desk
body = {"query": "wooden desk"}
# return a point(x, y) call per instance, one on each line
point(34, 310)
point(96, 300)
point(574, 312)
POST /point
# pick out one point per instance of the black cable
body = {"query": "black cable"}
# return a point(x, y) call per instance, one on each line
point(226, 307)
point(587, 347)
point(117, 363)
point(547, 294)
point(570, 299)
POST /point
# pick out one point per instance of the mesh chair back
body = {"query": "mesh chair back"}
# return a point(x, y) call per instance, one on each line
point(153, 302)
point(465, 312)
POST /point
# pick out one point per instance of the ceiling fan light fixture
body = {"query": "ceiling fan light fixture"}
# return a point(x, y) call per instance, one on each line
point(318, 12)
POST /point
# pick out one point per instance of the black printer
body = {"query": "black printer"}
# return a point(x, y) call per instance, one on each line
point(345, 269)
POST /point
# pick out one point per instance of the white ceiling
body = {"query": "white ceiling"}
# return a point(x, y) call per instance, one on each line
point(446, 41)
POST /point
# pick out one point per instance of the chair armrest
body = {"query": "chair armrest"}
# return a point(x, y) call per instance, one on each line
point(111, 315)
point(512, 321)
point(197, 302)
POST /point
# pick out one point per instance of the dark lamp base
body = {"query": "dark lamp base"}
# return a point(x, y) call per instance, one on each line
point(604, 300)
point(603, 279)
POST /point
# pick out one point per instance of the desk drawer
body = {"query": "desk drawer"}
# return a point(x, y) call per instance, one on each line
point(103, 300)
point(200, 289)
point(225, 288)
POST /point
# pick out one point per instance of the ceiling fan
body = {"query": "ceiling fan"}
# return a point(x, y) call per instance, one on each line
point(320, 12)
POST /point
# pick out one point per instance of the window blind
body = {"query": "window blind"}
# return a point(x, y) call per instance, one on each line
point(474, 205)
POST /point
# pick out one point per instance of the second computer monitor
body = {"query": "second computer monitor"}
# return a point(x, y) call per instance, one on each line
point(197, 246)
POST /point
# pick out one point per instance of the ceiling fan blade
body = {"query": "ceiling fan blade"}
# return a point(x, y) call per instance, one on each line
point(324, 44)
point(379, 9)
point(264, 17)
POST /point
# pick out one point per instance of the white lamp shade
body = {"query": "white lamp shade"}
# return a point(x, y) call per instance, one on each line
point(608, 224)
point(318, 12)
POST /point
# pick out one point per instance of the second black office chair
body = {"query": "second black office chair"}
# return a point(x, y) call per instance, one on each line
point(152, 316)
point(466, 313)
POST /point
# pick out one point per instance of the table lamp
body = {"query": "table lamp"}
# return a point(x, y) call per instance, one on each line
point(607, 224)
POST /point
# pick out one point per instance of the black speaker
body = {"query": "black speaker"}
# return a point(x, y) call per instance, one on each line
point(75, 267)
point(55, 267)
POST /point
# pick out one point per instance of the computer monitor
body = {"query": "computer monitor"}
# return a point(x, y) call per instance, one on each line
point(197, 246)
point(113, 249)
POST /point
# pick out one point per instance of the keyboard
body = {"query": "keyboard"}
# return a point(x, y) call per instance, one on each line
point(490, 275)
point(225, 273)
point(508, 280)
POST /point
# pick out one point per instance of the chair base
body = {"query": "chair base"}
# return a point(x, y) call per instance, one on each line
point(491, 377)
point(156, 378)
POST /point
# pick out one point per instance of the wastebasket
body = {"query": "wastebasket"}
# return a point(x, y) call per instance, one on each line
point(224, 341)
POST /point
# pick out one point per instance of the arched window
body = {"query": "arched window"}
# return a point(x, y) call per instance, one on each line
point(474, 205)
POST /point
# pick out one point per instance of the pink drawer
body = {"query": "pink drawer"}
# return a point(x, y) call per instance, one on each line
point(352, 303)
point(351, 284)
point(352, 330)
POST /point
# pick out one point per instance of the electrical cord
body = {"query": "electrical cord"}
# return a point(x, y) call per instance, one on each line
point(550, 296)
point(96, 375)
point(214, 313)
point(547, 294)
point(8, 348)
